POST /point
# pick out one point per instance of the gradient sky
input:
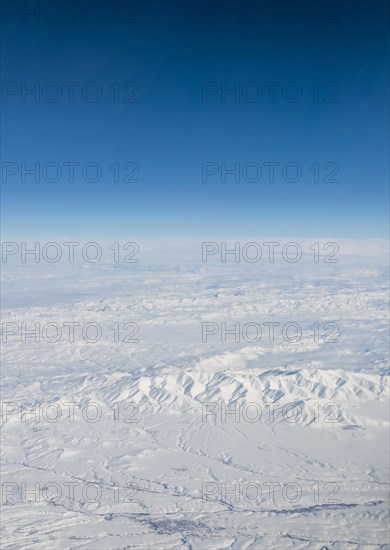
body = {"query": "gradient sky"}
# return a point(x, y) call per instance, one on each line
point(169, 50)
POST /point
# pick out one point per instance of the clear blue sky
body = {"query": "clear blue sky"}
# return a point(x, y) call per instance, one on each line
point(169, 51)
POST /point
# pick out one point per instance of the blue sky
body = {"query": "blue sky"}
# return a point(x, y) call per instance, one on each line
point(169, 51)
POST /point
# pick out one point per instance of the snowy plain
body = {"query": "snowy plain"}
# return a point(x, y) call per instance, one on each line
point(181, 427)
